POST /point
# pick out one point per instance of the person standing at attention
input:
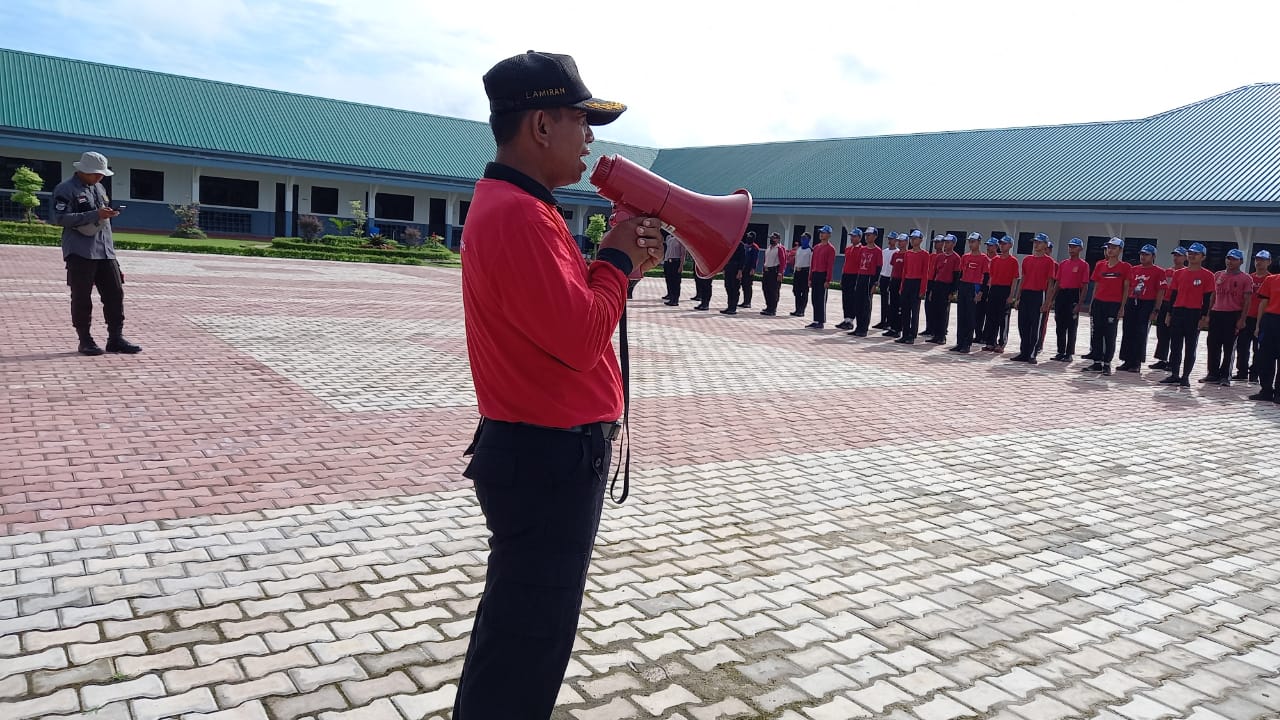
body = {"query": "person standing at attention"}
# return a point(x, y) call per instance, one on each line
point(800, 275)
point(1146, 292)
point(973, 269)
point(749, 269)
point(915, 273)
point(1231, 299)
point(1004, 273)
point(1192, 289)
point(673, 269)
point(824, 262)
point(1038, 270)
point(1110, 288)
point(550, 394)
point(775, 265)
point(1247, 341)
point(1166, 309)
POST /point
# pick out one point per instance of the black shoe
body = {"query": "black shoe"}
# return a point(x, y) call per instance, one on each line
point(745, 305)
point(703, 306)
point(813, 326)
point(890, 333)
point(1057, 358)
point(768, 313)
point(89, 347)
point(1264, 396)
point(1171, 380)
point(905, 341)
point(1091, 357)
point(1130, 368)
point(1124, 367)
point(1184, 382)
point(938, 340)
point(1241, 376)
point(118, 344)
point(796, 313)
point(859, 333)
point(1158, 365)
point(728, 311)
point(1096, 367)
point(1106, 370)
point(1067, 358)
point(1210, 379)
point(846, 325)
point(879, 326)
point(1224, 382)
point(665, 297)
point(1032, 361)
point(962, 349)
point(672, 303)
point(1019, 358)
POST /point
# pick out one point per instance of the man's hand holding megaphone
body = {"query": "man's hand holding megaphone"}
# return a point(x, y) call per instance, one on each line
point(640, 238)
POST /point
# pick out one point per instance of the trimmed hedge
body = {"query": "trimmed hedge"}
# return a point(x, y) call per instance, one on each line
point(428, 253)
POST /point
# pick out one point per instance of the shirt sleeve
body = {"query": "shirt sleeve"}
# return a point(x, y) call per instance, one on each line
point(544, 294)
point(63, 203)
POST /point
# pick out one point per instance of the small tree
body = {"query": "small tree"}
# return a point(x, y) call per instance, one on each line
point(361, 218)
point(310, 227)
point(188, 221)
point(342, 225)
point(595, 230)
point(26, 184)
point(412, 237)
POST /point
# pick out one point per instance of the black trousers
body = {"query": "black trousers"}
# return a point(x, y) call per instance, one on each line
point(980, 315)
point(1246, 343)
point(83, 275)
point(1137, 328)
point(732, 285)
point(909, 300)
point(1222, 341)
point(886, 306)
point(1184, 336)
point(1162, 330)
point(800, 289)
point(1268, 351)
point(1066, 323)
point(938, 308)
point(771, 284)
point(818, 284)
point(703, 289)
point(862, 285)
point(541, 493)
point(966, 314)
point(1102, 331)
point(848, 296)
point(671, 271)
point(748, 284)
point(895, 304)
point(1029, 304)
point(997, 306)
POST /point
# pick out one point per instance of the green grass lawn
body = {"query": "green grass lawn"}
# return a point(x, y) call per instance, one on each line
point(210, 242)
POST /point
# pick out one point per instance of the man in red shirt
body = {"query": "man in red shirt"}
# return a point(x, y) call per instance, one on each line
point(1004, 273)
point(1146, 291)
point(1038, 270)
point(915, 271)
point(896, 260)
point(1166, 309)
point(847, 273)
point(866, 269)
point(1110, 288)
point(991, 250)
point(1192, 289)
point(945, 273)
point(1231, 299)
point(824, 262)
point(1246, 342)
point(1268, 339)
point(973, 270)
point(1070, 279)
point(549, 392)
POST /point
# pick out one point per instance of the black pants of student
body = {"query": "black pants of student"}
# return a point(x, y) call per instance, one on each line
point(703, 289)
point(1137, 327)
point(1162, 331)
point(1066, 323)
point(771, 283)
point(997, 305)
point(83, 275)
point(980, 316)
point(541, 492)
point(800, 289)
point(1268, 351)
point(1184, 336)
point(818, 286)
point(938, 308)
point(848, 296)
point(1246, 347)
point(732, 286)
point(1104, 324)
point(909, 300)
point(886, 306)
point(966, 314)
point(671, 271)
point(1029, 304)
point(862, 285)
point(1221, 341)
point(895, 304)
point(748, 285)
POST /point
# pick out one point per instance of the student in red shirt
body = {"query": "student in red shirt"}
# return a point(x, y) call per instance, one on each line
point(1038, 270)
point(867, 258)
point(539, 324)
point(1268, 339)
point(896, 261)
point(1004, 273)
point(1070, 279)
point(1246, 341)
point(944, 274)
point(915, 271)
point(973, 269)
point(992, 249)
point(1192, 289)
point(1166, 309)
point(1231, 298)
point(824, 262)
point(1146, 291)
point(847, 280)
point(1110, 288)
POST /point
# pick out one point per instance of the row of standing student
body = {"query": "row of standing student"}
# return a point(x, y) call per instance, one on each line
point(989, 285)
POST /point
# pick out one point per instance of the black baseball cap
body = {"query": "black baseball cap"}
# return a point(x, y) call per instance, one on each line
point(544, 80)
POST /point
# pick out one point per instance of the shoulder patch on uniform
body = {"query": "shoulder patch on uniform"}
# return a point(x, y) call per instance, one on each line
point(60, 205)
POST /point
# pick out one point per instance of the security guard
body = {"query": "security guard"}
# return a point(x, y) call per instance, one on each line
point(549, 393)
point(82, 208)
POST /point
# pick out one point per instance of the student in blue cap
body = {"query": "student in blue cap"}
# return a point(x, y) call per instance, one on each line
point(980, 299)
point(1072, 277)
point(1231, 295)
point(1192, 290)
point(1166, 308)
point(1146, 291)
point(1247, 340)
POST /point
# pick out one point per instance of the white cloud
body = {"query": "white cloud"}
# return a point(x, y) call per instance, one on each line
point(712, 73)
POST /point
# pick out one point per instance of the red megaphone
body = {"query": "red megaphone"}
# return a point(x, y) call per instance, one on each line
point(709, 226)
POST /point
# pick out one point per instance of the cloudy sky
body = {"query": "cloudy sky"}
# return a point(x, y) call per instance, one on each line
point(701, 73)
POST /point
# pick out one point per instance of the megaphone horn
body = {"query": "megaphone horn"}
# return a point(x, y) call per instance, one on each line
point(709, 226)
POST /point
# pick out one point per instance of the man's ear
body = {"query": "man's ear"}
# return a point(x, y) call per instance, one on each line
point(540, 126)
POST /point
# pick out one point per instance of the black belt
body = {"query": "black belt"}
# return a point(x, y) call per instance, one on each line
point(609, 430)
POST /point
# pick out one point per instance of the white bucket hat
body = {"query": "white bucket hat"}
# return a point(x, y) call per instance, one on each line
point(92, 163)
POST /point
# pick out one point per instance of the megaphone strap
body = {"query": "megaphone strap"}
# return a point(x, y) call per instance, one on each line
point(623, 456)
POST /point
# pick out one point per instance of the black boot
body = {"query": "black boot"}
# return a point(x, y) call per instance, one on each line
point(117, 344)
point(88, 346)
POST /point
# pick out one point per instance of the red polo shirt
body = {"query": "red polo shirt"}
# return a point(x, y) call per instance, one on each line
point(1191, 287)
point(1110, 280)
point(1004, 270)
point(539, 320)
point(1072, 274)
point(862, 260)
point(896, 261)
point(1270, 291)
point(944, 267)
point(1145, 282)
point(1037, 271)
point(915, 266)
point(1256, 300)
point(824, 258)
point(973, 266)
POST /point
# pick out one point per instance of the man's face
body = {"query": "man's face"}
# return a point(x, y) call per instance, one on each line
point(1074, 251)
point(1179, 260)
point(1113, 252)
point(1195, 258)
point(568, 136)
point(1233, 264)
point(91, 178)
point(822, 237)
point(973, 245)
point(1040, 247)
point(1147, 259)
point(871, 238)
point(1260, 265)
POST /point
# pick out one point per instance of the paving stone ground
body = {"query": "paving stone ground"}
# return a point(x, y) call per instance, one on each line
point(262, 517)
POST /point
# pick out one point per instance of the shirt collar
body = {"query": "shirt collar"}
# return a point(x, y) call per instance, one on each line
point(506, 173)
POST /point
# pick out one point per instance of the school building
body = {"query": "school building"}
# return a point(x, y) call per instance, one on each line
point(256, 160)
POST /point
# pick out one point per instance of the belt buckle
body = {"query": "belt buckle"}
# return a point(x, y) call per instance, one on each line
point(613, 430)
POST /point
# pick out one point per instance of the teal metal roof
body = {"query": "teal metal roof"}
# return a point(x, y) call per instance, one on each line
point(1223, 150)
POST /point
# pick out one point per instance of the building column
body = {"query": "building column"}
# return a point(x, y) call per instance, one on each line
point(450, 217)
point(195, 184)
point(370, 199)
point(290, 222)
